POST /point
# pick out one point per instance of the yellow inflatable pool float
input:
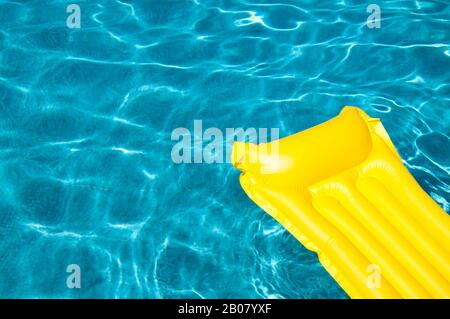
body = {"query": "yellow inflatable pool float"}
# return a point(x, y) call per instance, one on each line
point(341, 189)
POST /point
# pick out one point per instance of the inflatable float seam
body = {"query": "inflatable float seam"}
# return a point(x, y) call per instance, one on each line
point(345, 222)
point(413, 259)
point(308, 244)
point(283, 220)
point(423, 240)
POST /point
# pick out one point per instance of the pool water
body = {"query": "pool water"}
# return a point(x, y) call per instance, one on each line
point(86, 116)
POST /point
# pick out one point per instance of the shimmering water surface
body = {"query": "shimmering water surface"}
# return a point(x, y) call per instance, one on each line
point(86, 116)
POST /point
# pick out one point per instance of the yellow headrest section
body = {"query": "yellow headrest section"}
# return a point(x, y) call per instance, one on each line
point(313, 154)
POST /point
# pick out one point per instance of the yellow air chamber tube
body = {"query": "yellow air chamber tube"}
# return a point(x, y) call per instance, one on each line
point(341, 189)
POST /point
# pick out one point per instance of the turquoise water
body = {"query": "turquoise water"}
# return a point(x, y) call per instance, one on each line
point(86, 115)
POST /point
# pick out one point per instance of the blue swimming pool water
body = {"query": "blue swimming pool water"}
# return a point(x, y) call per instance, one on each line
point(86, 116)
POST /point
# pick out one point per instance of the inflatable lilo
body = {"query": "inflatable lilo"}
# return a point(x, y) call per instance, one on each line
point(341, 189)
